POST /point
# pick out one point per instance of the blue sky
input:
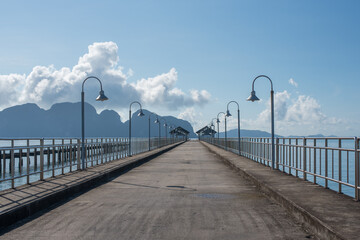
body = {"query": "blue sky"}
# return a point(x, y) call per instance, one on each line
point(189, 58)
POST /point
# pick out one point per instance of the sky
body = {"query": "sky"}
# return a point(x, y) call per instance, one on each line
point(189, 59)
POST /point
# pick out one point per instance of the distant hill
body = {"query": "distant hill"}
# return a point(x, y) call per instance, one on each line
point(313, 136)
point(64, 120)
point(154, 127)
point(246, 133)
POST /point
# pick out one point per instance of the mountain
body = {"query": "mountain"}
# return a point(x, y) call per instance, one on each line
point(64, 120)
point(154, 127)
point(312, 136)
point(246, 133)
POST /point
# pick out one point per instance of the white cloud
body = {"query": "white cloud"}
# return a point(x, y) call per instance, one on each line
point(161, 90)
point(46, 85)
point(292, 82)
point(302, 114)
point(192, 116)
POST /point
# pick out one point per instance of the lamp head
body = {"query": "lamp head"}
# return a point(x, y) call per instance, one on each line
point(101, 96)
point(228, 114)
point(157, 120)
point(212, 124)
point(217, 120)
point(141, 113)
point(252, 97)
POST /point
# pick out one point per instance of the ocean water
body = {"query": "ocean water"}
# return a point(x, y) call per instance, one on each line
point(62, 164)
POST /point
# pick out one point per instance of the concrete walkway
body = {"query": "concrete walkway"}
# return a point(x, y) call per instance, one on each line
point(326, 213)
point(186, 193)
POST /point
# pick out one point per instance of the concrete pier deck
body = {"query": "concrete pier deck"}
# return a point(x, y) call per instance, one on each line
point(23, 201)
point(326, 213)
point(185, 193)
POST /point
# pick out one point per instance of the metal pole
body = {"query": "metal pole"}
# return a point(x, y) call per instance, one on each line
point(225, 134)
point(129, 153)
point(357, 192)
point(217, 121)
point(159, 134)
point(272, 131)
point(101, 97)
point(82, 130)
point(239, 131)
point(149, 131)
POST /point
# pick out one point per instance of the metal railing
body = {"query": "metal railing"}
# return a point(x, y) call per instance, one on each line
point(23, 161)
point(331, 162)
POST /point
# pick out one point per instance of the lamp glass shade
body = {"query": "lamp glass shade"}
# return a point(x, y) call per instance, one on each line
point(156, 121)
point(252, 97)
point(228, 114)
point(101, 96)
point(141, 113)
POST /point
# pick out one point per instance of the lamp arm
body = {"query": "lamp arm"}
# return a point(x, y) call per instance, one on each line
point(227, 107)
point(89, 78)
point(135, 102)
point(264, 77)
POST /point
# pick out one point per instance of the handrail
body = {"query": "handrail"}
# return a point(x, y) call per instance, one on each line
point(331, 162)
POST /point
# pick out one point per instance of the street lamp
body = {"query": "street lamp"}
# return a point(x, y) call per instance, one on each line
point(166, 131)
point(165, 124)
point(101, 97)
point(158, 122)
point(213, 126)
point(149, 127)
point(218, 121)
point(140, 115)
point(254, 98)
point(228, 115)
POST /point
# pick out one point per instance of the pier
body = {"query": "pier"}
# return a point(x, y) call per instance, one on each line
point(180, 191)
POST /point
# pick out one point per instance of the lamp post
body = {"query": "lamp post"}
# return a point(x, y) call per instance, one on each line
point(166, 130)
point(140, 115)
point(213, 126)
point(101, 97)
point(254, 98)
point(157, 121)
point(165, 124)
point(218, 121)
point(149, 128)
point(228, 115)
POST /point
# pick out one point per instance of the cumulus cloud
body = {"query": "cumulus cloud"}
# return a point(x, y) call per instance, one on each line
point(161, 90)
point(192, 116)
point(293, 114)
point(46, 85)
point(292, 82)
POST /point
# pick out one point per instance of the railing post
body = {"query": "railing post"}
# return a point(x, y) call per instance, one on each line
point(277, 154)
point(62, 156)
point(296, 158)
point(78, 154)
point(326, 163)
point(70, 155)
point(315, 160)
point(42, 159)
point(339, 165)
point(53, 158)
point(304, 158)
point(27, 161)
point(289, 154)
point(12, 164)
point(357, 192)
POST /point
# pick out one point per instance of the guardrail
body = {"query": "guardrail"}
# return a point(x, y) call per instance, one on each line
point(330, 162)
point(23, 161)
